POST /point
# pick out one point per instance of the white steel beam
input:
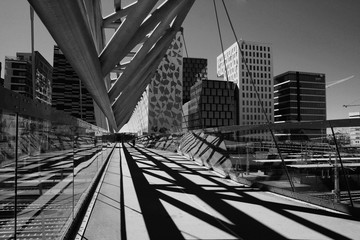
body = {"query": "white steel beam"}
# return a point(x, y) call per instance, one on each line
point(126, 78)
point(109, 56)
point(65, 21)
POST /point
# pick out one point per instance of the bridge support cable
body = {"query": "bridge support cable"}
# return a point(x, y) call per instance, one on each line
point(342, 166)
point(187, 55)
point(256, 92)
point(223, 54)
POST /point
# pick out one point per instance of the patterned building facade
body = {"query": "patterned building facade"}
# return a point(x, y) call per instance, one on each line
point(193, 69)
point(213, 104)
point(252, 88)
point(18, 76)
point(300, 97)
point(160, 108)
point(69, 93)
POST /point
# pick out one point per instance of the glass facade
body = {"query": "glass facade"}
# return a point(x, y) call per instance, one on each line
point(300, 96)
point(213, 104)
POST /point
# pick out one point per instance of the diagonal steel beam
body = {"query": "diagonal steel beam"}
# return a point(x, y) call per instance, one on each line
point(95, 20)
point(117, 15)
point(121, 110)
point(151, 63)
point(108, 57)
point(65, 21)
point(132, 102)
point(148, 26)
point(141, 55)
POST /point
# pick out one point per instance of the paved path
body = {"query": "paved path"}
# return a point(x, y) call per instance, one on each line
point(161, 195)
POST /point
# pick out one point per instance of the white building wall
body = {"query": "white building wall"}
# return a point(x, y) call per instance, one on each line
point(258, 57)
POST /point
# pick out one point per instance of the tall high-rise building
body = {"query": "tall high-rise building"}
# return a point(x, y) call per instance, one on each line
point(213, 104)
point(18, 76)
point(193, 69)
point(160, 108)
point(255, 92)
point(69, 93)
point(300, 97)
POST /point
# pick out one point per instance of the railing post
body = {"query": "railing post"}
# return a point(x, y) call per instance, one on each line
point(342, 166)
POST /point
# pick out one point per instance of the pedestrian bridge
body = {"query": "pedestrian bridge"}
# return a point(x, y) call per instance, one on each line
point(62, 178)
point(155, 194)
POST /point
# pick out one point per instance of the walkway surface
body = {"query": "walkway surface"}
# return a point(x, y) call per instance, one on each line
point(161, 195)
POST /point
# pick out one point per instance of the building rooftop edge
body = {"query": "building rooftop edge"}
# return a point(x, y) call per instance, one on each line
point(301, 72)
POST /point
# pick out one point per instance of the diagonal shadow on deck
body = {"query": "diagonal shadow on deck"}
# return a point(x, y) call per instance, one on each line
point(144, 162)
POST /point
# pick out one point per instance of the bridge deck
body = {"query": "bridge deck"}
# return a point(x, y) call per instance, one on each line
point(153, 194)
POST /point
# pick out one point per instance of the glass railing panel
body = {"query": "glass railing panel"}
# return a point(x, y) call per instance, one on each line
point(44, 177)
point(59, 169)
point(7, 173)
point(304, 161)
point(86, 161)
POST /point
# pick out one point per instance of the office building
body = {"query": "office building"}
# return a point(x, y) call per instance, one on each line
point(354, 131)
point(193, 69)
point(18, 76)
point(213, 104)
point(69, 93)
point(255, 87)
point(160, 108)
point(300, 97)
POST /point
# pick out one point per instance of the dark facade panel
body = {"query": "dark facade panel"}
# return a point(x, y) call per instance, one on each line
point(69, 93)
point(215, 108)
point(300, 96)
point(193, 69)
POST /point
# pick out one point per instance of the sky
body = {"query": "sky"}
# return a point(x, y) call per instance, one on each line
point(320, 36)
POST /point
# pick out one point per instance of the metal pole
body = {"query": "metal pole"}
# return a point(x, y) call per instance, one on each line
point(342, 166)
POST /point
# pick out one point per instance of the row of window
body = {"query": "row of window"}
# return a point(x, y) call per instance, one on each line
point(253, 110)
point(257, 54)
point(253, 95)
point(218, 92)
point(217, 107)
point(293, 104)
point(258, 61)
point(255, 117)
point(303, 77)
point(255, 48)
point(217, 115)
point(217, 122)
point(293, 90)
point(294, 84)
point(294, 97)
point(255, 68)
point(302, 118)
point(255, 103)
point(217, 84)
point(258, 88)
point(256, 75)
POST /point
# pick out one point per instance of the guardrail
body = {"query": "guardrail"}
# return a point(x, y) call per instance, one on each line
point(48, 163)
point(304, 160)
